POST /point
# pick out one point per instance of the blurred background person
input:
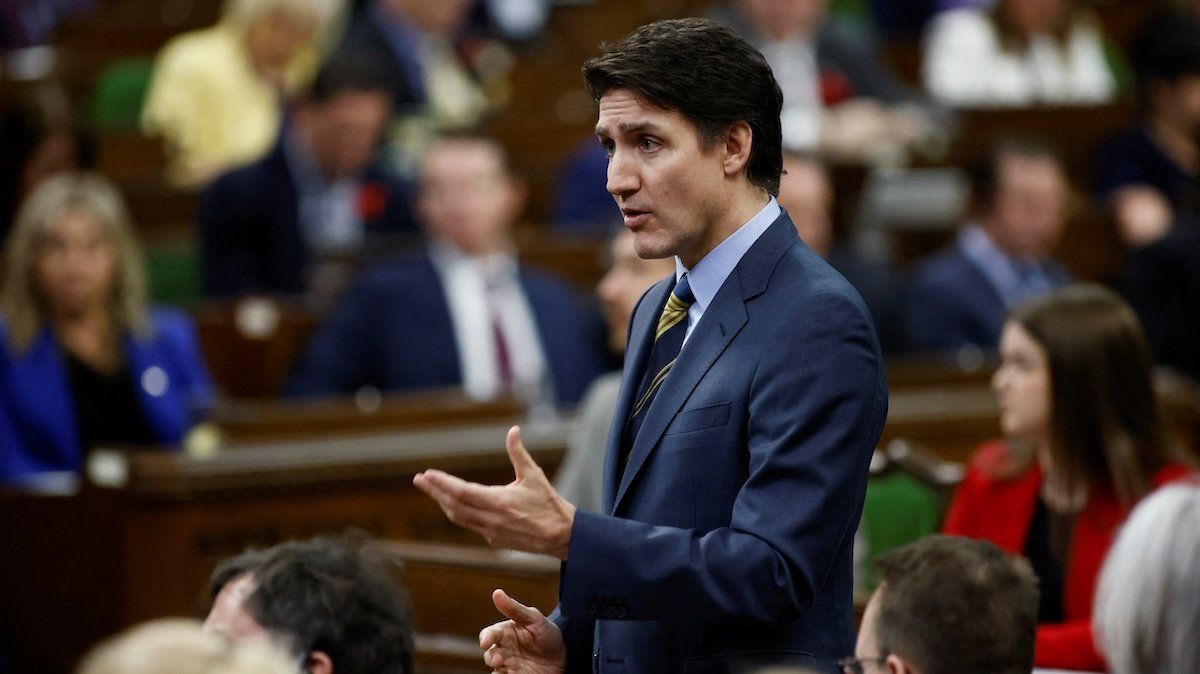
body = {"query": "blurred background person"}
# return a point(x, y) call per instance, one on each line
point(1077, 401)
point(217, 95)
point(580, 477)
point(462, 312)
point(433, 86)
point(332, 604)
point(946, 605)
point(84, 361)
point(1001, 257)
point(806, 192)
point(40, 137)
point(1017, 53)
point(297, 220)
point(179, 646)
point(1162, 282)
point(1147, 174)
point(837, 95)
point(1148, 599)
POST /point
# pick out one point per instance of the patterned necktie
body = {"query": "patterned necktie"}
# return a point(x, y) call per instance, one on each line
point(668, 340)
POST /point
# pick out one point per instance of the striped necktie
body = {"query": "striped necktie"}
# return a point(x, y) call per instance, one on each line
point(668, 340)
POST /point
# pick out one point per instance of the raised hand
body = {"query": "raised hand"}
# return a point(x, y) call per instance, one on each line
point(525, 514)
point(526, 643)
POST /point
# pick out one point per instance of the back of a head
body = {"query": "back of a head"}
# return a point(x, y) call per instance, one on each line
point(348, 72)
point(707, 73)
point(176, 646)
point(1147, 614)
point(334, 595)
point(950, 605)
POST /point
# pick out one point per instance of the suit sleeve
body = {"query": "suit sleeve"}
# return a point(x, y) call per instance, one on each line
point(182, 344)
point(12, 449)
point(815, 408)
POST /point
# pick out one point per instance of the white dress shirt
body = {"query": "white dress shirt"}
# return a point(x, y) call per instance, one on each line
point(481, 292)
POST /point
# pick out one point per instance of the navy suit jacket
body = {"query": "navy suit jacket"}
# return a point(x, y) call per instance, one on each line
point(392, 329)
point(951, 303)
point(726, 540)
point(250, 236)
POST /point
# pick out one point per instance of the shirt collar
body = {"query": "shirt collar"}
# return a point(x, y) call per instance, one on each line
point(1001, 270)
point(709, 274)
point(494, 266)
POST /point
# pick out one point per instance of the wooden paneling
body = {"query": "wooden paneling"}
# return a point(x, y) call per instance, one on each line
point(82, 566)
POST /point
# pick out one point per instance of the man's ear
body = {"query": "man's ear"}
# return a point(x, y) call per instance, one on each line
point(318, 662)
point(898, 665)
point(738, 142)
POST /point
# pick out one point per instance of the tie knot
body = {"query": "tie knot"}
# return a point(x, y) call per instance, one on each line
point(683, 291)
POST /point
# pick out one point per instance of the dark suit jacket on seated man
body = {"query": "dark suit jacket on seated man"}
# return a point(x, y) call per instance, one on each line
point(463, 312)
point(735, 473)
point(960, 296)
point(319, 194)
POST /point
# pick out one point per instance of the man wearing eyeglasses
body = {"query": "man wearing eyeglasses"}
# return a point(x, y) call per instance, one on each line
point(947, 605)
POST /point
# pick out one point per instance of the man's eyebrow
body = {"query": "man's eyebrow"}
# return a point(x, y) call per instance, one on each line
point(631, 127)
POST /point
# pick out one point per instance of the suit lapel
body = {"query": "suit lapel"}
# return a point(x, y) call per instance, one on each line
point(641, 338)
point(721, 322)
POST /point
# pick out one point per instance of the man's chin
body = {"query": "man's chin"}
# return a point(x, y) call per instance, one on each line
point(651, 250)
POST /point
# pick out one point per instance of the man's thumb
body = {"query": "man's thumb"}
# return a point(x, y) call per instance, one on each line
point(515, 610)
point(523, 464)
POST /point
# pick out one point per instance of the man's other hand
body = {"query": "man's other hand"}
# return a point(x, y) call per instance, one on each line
point(526, 642)
point(525, 514)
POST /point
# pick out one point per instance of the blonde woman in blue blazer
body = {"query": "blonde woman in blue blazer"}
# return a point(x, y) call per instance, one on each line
point(84, 362)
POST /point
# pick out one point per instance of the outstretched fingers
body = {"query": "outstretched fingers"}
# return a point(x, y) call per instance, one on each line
point(465, 503)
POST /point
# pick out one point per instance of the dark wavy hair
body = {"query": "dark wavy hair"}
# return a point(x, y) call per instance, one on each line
point(334, 595)
point(951, 604)
point(709, 74)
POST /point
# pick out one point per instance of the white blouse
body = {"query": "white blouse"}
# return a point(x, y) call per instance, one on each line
point(964, 65)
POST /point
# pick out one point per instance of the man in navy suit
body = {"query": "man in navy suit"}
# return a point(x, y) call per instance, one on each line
point(737, 462)
point(318, 198)
point(462, 312)
point(959, 297)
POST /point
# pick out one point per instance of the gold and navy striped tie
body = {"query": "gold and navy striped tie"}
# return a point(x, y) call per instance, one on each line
point(668, 340)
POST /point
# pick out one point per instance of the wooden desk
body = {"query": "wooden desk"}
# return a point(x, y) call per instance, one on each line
point(249, 421)
point(82, 566)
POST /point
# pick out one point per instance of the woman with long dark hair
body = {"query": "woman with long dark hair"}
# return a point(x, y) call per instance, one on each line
point(1086, 442)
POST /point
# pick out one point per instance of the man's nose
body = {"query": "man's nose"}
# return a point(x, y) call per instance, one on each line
point(622, 176)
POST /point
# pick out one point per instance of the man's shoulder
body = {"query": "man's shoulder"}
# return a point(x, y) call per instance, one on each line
point(945, 269)
point(394, 274)
point(257, 178)
point(542, 281)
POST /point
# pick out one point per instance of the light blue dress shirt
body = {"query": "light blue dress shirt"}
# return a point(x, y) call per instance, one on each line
point(1015, 280)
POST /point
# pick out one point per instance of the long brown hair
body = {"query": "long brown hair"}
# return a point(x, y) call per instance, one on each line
point(1105, 426)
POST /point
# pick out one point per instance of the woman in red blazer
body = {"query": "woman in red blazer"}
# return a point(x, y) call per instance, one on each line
point(1076, 398)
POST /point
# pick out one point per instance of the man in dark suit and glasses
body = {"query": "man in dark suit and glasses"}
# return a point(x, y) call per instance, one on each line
point(736, 463)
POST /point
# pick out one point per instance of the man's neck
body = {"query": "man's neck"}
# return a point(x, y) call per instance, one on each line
point(743, 206)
